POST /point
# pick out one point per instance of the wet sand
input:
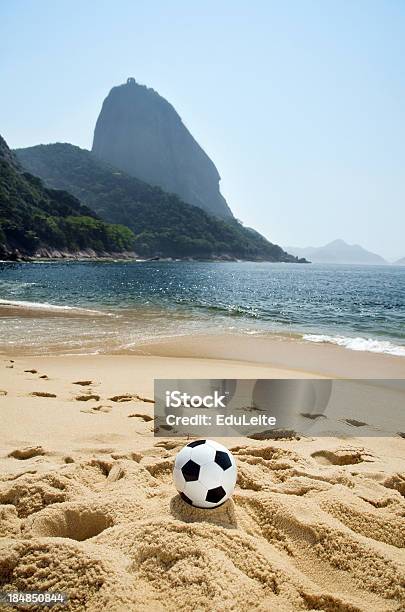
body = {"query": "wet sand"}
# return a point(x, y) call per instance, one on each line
point(283, 354)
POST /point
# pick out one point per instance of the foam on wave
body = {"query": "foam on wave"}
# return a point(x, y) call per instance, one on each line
point(45, 306)
point(359, 344)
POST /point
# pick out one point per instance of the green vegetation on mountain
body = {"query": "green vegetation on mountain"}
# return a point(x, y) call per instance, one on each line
point(33, 217)
point(163, 224)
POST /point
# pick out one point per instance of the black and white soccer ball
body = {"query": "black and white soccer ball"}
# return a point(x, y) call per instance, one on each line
point(204, 473)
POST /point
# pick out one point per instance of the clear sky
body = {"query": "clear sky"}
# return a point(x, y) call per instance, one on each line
point(299, 103)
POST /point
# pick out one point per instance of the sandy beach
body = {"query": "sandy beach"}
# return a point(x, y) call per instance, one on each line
point(88, 507)
point(284, 356)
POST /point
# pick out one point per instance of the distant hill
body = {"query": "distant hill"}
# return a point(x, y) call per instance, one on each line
point(400, 262)
point(34, 219)
point(338, 251)
point(139, 132)
point(163, 224)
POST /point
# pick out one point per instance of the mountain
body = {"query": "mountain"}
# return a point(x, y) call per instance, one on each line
point(163, 225)
point(7, 156)
point(337, 251)
point(140, 133)
point(400, 262)
point(37, 220)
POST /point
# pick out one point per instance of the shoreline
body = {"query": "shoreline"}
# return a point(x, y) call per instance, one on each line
point(128, 256)
point(291, 355)
point(294, 355)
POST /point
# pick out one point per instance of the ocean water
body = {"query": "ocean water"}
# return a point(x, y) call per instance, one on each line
point(91, 307)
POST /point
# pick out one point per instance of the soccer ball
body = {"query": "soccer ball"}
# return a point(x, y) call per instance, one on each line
point(204, 473)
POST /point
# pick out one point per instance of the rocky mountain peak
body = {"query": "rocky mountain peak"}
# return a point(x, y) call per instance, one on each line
point(140, 132)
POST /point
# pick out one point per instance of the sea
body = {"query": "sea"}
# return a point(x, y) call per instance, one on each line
point(90, 307)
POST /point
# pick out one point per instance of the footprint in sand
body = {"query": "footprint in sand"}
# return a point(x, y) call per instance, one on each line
point(96, 409)
point(144, 417)
point(31, 371)
point(342, 456)
point(275, 434)
point(168, 444)
point(44, 376)
point(86, 398)
point(127, 397)
point(355, 423)
point(28, 452)
point(42, 394)
point(309, 415)
point(2, 392)
point(83, 383)
point(145, 399)
point(102, 408)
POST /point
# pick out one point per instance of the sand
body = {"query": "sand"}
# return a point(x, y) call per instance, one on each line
point(88, 508)
point(284, 353)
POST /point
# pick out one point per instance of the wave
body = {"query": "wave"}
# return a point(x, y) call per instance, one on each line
point(359, 344)
point(20, 306)
point(15, 284)
point(230, 309)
